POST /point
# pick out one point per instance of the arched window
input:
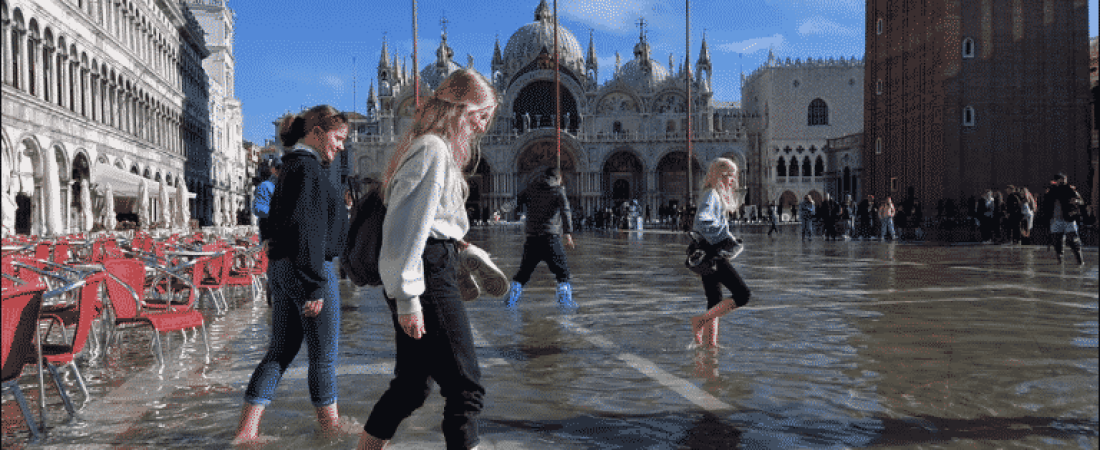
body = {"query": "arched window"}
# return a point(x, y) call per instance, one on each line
point(781, 167)
point(617, 127)
point(819, 167)
point(806, 167)
point(879, 25)
point(670, 127)
point(968, 48)
point(818, 113)
point(968, 116)
point(878, 87)
point(878, 146)
point(793, 171)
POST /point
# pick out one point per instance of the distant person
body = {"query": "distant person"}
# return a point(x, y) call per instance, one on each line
point(865, 213)
point(307, 227)
point(262, 205)
point(773, 216)
point(1062, 206)
point(1014, 211)
point(806, 211)
point(549, 224)
point(1029, 208)
point(886, 213)
point(717, 200)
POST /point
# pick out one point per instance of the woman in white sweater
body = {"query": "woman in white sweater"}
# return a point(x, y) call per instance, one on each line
point(425, 193)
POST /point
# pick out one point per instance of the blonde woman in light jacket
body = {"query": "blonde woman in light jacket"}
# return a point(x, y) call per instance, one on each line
point(422, 235)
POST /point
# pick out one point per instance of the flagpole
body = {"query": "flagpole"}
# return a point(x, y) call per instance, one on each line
point(557, 87)
point(687, 73)
point(416, 62)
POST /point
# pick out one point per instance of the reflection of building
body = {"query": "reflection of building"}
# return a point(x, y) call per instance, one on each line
point(801, 105)
point(621, 140)
point(102, 92)
point(224, 183)
point(990, 96)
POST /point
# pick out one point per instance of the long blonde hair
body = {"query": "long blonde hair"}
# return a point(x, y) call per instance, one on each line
point(463, 91)
point(715, 173)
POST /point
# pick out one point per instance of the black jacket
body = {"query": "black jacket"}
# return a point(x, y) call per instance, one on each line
point(547, 208)
point(1064, 194)
point(308, 222)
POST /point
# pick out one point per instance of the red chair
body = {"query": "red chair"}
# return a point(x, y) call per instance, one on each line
point(125, 281)
point(64, 354)
point(212, 275)
point(245, 273)
point(61, 253)
point(21, 303)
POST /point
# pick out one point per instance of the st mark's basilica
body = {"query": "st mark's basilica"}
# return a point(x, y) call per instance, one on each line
point(622, 140)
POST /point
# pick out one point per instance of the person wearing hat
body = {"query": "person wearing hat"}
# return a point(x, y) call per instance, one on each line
point(1061, 205)
point(261, 206)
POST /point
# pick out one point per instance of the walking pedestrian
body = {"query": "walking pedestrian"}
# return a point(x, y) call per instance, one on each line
point(549, 223)
point(806, 211)
point(829, 215)
point(716, 201)
point(1014, 211)
point(425, 193)
point(773, 215)
point(308, 225)
point(1062, 206)
point(866, 213)
point(261, 207)
point(886, 213)
point(848, 215)
point(986, 210)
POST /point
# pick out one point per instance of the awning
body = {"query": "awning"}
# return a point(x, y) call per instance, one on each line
point(125, 184)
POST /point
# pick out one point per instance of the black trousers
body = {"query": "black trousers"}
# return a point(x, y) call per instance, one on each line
point(726, 276)
point(444, 354)
point(545, 247)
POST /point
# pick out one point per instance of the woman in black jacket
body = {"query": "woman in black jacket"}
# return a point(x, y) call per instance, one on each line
point(308, 224)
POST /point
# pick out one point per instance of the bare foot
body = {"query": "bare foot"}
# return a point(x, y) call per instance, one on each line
point(344, 426)
point(697, 324)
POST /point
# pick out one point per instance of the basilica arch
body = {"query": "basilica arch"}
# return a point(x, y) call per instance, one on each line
point(624, 176)
point(672, 178)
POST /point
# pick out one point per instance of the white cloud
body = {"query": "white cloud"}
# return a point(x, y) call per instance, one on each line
point(749, 46)
point(333, 82)
point(818, 25)
point(822, 5)
point(611, 15)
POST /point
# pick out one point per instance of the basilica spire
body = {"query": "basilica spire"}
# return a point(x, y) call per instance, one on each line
point(498, 60)
point(703, 66)
point(384, 60)
point(592, 64)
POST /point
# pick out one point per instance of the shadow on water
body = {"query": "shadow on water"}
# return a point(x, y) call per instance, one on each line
point(618, 431)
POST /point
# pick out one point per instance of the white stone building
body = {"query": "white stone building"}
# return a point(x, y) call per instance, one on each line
point(800, 106)
point(621, 140)
point(96, 92)
point(225, 183)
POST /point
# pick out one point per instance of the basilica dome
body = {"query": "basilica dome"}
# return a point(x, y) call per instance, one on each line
point(441, 68)
point(642, 73)
point(529, 41)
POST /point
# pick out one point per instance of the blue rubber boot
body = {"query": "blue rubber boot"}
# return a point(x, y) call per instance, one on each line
point(565, 296)
point(514, 293)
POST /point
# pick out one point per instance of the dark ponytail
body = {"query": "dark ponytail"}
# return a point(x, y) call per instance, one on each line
point(294, 127)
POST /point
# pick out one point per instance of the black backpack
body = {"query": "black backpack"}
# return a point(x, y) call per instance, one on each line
point(360, 257)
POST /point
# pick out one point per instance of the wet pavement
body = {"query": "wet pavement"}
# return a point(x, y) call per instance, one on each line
point(844, 345)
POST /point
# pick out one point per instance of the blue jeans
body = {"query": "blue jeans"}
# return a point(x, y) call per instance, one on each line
point(445, 354)
point(887, 228)
point(288, 328)
point(545, 247)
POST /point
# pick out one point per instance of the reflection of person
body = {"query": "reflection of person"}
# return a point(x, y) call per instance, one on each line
point(425, 220)
point(716, 201)
point(1061, 205)
point(308, 223)
point(549, 222)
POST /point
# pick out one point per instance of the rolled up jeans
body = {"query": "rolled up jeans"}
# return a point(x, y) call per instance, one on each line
point(289, 328)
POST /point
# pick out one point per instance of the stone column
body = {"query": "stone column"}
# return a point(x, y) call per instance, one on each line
point(5, 50)
point(51, 193)
point(33, 61)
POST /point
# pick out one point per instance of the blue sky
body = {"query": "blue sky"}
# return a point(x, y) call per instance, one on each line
point(328, 52)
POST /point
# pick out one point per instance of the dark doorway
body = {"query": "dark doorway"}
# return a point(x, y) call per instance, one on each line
point(22, 214)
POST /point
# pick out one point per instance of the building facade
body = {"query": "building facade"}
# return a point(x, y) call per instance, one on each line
point(966, 95)
point(620, 141)
point(225, 183)
point(97, 94)
point(799, 106)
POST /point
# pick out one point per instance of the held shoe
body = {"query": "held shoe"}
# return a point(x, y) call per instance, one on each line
point(467, 285)
point(565, 295)
point(489, 277)
point(514, 294)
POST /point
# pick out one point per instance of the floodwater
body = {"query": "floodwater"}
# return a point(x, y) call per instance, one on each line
point(844, 345)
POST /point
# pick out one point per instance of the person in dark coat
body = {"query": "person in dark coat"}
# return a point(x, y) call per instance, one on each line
point(549, 224)
point(1062, 207)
